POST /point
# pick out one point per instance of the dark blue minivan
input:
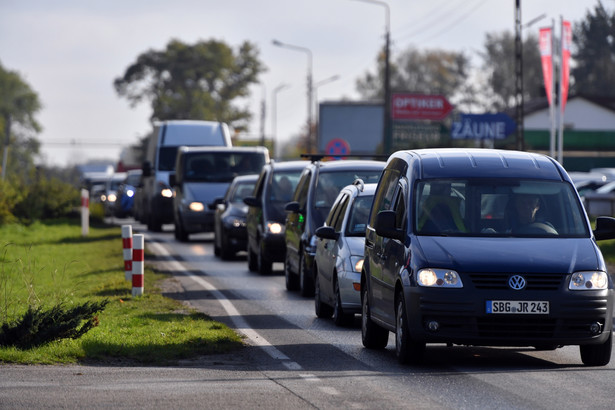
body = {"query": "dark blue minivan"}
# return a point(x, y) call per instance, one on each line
point(484, 247)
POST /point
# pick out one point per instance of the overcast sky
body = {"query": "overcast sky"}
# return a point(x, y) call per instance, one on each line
point(70, 51)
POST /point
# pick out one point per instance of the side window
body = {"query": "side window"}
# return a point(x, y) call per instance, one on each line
point(383, 199)
point(401, 209)
point(302, 188)
point(339, 218)
point(258, 191)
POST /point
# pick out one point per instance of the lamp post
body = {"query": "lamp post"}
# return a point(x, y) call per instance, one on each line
point(387, 137)
point(274, 124)
point(309, 85)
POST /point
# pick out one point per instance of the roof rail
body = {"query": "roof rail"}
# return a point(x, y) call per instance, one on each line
point(318, 157)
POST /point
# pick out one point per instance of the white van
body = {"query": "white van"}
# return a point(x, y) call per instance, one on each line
point(155, 201)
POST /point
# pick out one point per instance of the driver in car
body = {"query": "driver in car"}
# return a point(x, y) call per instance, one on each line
point(524, 220)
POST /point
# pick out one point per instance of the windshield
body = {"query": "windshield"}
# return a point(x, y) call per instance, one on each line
point(329, 185)
point(283, 184)
point(221, 166)
point(498, 207)
point(359, 213)
point(242, 190)
point(166, 158)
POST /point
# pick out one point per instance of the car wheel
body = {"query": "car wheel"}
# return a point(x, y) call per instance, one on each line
point(252, 262)
point(339, 317)
point(264, 264)
point(306, 282)
point(226, 252)
point(406, 349)
point(180, 232)
point(372, 335)
point(597, 355)
point(322, 310)
point(292, 282)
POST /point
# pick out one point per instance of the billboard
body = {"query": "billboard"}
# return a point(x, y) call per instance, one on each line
point(350, 127)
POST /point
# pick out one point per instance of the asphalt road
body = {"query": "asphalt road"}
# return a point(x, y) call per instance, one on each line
point(295, 360)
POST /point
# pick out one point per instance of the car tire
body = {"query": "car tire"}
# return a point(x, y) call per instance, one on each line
point(597, 355)
point(264, 264)
point(180, 232)
point(372, 335)
point(406, 349)
point(321, 309)
point(226, 252)
point(339, 317)
point(252, 262)
point(306, 282)
point(292, 281)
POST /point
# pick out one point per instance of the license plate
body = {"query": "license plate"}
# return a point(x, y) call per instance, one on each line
point(518, 307)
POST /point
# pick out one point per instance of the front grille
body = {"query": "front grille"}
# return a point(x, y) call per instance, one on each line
point(535, 281)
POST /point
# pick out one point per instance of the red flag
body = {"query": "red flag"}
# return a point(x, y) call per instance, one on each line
point(566, 44)
point(545, 43)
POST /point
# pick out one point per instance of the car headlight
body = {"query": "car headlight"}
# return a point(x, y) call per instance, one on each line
point(275, 227)
point(167, 193)
point(196, 206)
point(438, 278)
point(130, 193)
point(356, 263)
point(111, 197)
point(591, 280)
point(234, 222)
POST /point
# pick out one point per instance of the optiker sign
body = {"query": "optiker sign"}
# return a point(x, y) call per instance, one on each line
point(419, 107)
point(483, 126)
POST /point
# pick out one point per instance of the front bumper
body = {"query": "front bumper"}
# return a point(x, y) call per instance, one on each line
point(194, 222)
point(462, 319)
point(273, 247)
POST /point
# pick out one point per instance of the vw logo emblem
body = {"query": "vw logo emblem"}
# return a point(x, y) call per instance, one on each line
point(516, 282)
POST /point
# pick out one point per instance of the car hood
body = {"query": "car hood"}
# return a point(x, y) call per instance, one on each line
point(507, 254)
point(206, 192)
point(355, 244)
point(237, 209)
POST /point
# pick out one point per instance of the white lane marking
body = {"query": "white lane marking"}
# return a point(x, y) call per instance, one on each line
point(329, 390)
point(240, 324)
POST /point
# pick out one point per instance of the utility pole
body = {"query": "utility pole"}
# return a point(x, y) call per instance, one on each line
point(520, 143)
point(7, 139)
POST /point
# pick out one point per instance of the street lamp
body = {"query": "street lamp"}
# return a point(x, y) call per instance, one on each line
point(323, 82)
point(387, 137)
point(309, 85)
point(274, 124)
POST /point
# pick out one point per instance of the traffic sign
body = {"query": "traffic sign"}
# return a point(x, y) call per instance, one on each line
point(338, 147)
point(483, 126)
point(406, 106)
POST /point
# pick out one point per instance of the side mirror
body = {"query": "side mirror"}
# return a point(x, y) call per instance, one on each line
point(252, 201)
point(327, 232)
point(216, 203)
point(293, 207)
point(386, 226)
point(605, 228)
point(147, 169)
point(172, 179)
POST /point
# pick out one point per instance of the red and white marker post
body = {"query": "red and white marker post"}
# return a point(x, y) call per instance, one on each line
point(127, 246)
point(85, 212)
point(138, 262)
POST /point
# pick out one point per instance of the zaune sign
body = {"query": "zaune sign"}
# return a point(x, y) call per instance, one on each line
point(419, 107)
point(483, 126)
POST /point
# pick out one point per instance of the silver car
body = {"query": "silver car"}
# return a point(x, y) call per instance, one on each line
point(339, 254)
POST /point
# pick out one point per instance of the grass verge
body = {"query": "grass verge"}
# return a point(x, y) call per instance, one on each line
point(49, 263)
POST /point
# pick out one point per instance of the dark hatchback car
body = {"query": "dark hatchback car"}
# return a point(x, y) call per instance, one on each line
point(320, 183)
point(230, 217)
point(266, 217)
point(487, 248)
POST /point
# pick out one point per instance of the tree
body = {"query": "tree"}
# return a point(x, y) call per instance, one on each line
point(594, 53)
point(18, 106)
point(198, 81)
point(428, 71)
point(499, 67)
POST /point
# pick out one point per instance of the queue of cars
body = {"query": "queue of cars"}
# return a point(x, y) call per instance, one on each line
point(455, 246)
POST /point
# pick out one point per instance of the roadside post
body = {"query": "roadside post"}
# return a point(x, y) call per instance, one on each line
point(138, 268)
point(127, 247)
point(85, 212)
